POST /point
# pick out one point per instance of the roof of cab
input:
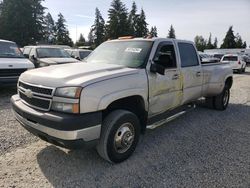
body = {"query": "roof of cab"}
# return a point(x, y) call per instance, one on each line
point(1, 40)
point(149, 39)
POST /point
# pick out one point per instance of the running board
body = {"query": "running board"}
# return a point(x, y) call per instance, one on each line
point(166, 120)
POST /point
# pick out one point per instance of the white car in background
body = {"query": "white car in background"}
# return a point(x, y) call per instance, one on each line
point(236, 61)
point(12, 63)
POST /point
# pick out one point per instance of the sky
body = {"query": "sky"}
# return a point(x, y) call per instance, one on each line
point(189, 17)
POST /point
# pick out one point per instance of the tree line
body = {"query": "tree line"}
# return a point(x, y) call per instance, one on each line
point(230, 41)
point(25, 22)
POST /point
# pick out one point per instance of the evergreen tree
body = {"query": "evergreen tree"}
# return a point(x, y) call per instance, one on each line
point(215, 43)
point(229, 40)
point(244, 45)
point(49, 29)
point(62, 33)
point(132, 20)
point(117, 24)
point(90, 38)
point(200, 43)
point(209, 43)
point(81, 41)
point(171, 33)
point(141, 25)
point(238, 41)
point(153, 32)
point(22, 21)
point(98, 29)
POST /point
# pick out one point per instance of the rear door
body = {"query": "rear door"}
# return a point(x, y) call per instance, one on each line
point(191, 72)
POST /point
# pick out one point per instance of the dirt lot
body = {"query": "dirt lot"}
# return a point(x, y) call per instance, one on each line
point(203, 148)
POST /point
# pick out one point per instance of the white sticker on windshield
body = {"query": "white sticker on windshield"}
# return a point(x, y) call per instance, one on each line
point(133, 50)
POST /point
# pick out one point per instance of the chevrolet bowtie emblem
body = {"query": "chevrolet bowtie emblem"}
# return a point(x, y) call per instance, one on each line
point(28, 93)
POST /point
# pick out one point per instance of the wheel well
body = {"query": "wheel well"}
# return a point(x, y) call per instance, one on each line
point(229, 82)
point(133, 104)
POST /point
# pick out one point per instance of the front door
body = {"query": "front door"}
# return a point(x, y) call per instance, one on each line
point(165, 91)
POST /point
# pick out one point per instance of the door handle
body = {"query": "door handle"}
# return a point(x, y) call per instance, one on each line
point(175, 77)
point(198, 74)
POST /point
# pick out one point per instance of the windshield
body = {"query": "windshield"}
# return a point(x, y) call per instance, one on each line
point(127, 53)
point(10, 50)
point(230, 58)
point(84, 54)
point(52, 53)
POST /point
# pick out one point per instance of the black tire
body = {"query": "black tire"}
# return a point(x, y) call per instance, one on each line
point(112, 124)
point(209, 102)
point(240, 70)
point(221, 101)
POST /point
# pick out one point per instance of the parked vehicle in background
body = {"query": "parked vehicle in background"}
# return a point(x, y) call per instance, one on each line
point(12, 63)
point(125, 86)
point(218, 56)
point(43, 56)
point(206, 58)
point(80, 54)
point(236, 61)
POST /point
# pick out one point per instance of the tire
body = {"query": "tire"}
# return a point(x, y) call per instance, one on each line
point(221, 101)
point(244, 69)
point(125, 127)
point(240, 70)
point(209, 102)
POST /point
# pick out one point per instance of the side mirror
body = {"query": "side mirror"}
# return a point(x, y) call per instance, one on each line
point(157, 68)
point(33, 58)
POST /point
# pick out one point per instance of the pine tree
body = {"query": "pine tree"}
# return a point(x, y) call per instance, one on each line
point(209, 43)
point(238, 41)
point(200, 43)
point(141, 26)
point(90, 38)
point(215, 43)
point(153, 32)
point(81, 41)
point(117, 25)
point(229, 40)
point(22, 21)
point(62, 33)
point(171, 33)
point(49, 29)
point(132, 20)
point(244, 45)
point(98, 29)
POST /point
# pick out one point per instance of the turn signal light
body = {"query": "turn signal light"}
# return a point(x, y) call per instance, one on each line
point(239, 62)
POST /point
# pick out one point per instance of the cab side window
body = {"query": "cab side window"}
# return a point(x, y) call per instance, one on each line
point(188, 55)
point(166, 54)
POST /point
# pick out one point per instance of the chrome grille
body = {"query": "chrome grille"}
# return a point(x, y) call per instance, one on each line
point(38, 97)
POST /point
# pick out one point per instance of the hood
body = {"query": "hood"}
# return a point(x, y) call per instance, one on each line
point(58, 60)
point(76, 74)
point(15, 63)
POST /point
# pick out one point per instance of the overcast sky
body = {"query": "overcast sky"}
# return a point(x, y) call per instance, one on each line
point(189, 17)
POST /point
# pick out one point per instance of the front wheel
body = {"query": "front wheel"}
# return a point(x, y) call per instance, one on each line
point(119, 136)
point(221, 101)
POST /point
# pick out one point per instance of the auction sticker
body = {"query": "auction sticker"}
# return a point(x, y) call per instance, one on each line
point(133, 50)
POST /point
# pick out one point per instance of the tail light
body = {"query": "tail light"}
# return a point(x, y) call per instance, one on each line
point(239, 62)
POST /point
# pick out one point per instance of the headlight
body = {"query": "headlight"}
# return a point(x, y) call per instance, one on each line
point(69, 92)
point(66, 107)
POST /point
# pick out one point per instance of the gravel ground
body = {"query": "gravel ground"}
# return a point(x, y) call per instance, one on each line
point(203, 148)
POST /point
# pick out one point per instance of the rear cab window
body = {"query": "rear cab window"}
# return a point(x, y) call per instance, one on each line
point(230, 58)
point(188, 55)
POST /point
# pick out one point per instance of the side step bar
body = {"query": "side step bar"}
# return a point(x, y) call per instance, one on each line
point(168, 119)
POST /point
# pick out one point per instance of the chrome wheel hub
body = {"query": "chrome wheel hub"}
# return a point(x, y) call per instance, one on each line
point(124, 137)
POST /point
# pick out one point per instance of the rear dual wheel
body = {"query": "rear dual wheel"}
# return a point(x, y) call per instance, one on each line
point(221, 101)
